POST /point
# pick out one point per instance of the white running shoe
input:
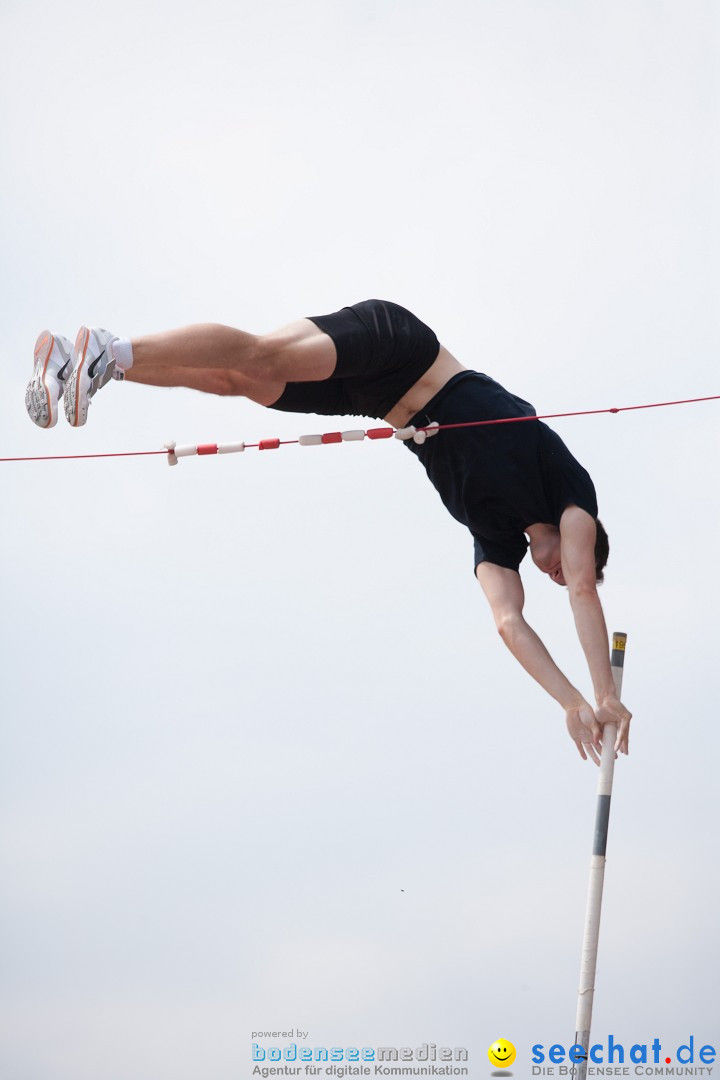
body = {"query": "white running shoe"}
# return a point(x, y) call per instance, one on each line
point(94, 366)
point(53, 366)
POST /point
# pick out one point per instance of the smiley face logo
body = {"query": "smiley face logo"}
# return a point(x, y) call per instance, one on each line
point(501, 1053)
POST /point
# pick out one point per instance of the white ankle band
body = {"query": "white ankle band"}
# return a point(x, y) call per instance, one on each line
point(122, 353)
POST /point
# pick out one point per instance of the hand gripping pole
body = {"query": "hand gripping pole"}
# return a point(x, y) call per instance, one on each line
point(588, 960)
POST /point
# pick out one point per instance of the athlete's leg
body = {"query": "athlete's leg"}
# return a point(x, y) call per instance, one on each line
point(257, 366)
point(299, 352)
point(208, 380)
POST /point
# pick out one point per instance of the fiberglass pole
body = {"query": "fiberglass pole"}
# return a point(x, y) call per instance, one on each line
point(597, 870)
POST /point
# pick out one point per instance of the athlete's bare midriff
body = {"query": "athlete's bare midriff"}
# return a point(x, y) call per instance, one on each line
point(441, 371)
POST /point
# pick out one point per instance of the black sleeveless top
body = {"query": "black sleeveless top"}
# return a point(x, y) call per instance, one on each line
point(499, 479)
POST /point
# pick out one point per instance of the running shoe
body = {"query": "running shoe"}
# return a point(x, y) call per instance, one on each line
point(53, 366)
point(94, 366)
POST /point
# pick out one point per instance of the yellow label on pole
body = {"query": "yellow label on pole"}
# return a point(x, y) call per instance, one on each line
point(619, 643)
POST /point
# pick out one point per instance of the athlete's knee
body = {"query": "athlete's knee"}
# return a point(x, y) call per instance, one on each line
point(269, 360)
point(243, 354)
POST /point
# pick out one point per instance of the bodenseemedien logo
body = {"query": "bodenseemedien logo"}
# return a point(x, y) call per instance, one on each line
point(428, 1059)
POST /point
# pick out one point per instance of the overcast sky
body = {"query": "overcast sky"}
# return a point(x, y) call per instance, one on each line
point(265, 762)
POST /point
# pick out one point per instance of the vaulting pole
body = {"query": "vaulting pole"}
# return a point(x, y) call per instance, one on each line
point(588, 960)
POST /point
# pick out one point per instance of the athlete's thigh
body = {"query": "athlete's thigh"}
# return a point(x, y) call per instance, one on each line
point(298, 352)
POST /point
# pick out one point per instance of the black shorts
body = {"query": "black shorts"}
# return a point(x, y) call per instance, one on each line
point(382, 350)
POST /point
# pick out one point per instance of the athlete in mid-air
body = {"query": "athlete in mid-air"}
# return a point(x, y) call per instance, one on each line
point(514, 485)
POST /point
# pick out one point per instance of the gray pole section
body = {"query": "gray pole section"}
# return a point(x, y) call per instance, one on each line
point(597, 870)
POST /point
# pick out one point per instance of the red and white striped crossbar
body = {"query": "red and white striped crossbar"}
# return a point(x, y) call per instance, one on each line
point(418, 435)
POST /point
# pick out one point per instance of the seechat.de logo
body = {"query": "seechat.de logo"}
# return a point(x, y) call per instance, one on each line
point(614, 1053)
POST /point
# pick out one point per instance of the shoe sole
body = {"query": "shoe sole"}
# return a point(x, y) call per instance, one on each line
point(43, 348)
point(81, 344)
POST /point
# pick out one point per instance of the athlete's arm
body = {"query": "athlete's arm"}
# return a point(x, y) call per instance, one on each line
point(506, 596)
point(577, 555)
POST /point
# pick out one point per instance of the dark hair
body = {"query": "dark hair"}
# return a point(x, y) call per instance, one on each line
point(602, 550)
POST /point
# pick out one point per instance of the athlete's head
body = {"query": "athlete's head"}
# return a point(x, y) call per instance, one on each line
point(545, 552)
point(602, 550)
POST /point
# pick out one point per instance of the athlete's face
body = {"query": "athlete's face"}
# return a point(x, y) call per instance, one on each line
point(546, 556)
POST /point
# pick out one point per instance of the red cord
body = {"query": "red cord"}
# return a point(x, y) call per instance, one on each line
point(581, 412)
point(380, 433)
point(76, 457)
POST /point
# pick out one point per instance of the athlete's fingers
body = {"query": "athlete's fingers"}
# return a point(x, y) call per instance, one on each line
point(593, 754)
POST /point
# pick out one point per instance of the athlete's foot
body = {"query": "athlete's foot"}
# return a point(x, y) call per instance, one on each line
point(53, 365)
point(94, 366)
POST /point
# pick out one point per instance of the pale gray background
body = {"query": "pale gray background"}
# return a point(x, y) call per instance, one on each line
point(247, 701)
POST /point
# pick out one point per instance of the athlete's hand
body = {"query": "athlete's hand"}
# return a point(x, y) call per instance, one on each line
point(612, 711)
point(585, 731)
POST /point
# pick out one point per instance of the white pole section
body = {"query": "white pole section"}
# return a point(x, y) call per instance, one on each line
point(588, 960)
